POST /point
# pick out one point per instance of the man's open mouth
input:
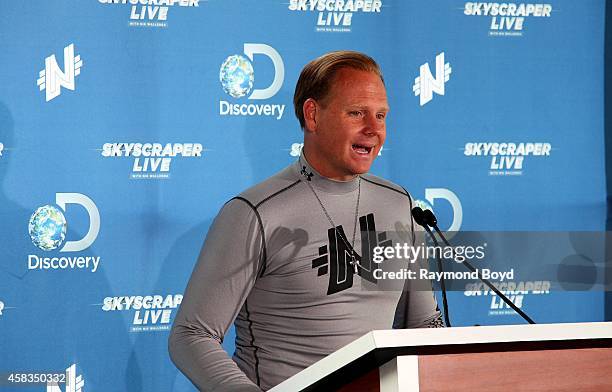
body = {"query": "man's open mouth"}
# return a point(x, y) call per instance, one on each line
point(362, 149)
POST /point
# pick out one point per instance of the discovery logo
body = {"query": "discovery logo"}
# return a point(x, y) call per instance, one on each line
point(432, 194)
point(237, 77)
point(47, 229)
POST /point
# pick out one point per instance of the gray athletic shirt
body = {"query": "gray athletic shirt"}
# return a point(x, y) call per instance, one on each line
point(273, 264)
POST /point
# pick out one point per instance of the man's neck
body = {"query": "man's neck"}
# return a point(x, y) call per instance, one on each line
point(320, 168)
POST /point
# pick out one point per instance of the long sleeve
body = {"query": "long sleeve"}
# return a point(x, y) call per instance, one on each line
point(226, 270)
point(417, 306)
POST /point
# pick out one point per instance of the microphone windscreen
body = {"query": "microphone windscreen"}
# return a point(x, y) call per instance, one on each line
point(430, 218)
point(417, 214)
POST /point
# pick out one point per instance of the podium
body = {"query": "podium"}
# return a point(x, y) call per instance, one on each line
point(542, 357)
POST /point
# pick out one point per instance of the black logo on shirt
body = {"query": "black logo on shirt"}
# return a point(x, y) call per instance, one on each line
point(306, 173)
point(340, 260)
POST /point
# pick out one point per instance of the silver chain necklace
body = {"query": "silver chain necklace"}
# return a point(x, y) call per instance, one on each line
point(354, 262)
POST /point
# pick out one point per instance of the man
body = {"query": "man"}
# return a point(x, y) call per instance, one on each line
point(281, 258)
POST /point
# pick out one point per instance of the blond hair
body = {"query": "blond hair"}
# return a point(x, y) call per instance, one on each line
point(317, 76)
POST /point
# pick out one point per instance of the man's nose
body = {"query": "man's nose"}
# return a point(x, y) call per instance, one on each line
point(373, 125)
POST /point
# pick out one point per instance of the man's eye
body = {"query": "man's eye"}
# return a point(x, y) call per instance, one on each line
point(356, 113)
point(381, 116)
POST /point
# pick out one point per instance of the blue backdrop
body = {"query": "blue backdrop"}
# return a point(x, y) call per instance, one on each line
point(114, 120)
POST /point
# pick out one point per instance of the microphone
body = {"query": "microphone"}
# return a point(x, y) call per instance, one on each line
point(429, 218)
point(417, 215)
point(422, 218)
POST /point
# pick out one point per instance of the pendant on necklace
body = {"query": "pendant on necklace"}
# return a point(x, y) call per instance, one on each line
point(355, 264)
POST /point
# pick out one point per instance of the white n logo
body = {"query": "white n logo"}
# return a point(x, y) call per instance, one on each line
point(52, 78)
point(425, 85)
point(74, 383)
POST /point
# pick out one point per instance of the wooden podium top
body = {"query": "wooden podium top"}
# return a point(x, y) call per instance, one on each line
point(377, 347)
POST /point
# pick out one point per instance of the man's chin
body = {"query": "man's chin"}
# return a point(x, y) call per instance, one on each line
point(361, 169)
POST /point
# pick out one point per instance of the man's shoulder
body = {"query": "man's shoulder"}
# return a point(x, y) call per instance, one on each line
point(385, 186)
point(272, 186)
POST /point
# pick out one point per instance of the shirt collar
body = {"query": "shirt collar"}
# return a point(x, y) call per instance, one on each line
point(307, 173)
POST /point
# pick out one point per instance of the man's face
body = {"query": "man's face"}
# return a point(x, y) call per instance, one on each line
point(345, 131)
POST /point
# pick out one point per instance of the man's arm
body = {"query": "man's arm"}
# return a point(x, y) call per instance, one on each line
point(226, 270)
point(417, 306)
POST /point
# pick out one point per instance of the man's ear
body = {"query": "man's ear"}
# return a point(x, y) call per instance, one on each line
point(310, 115)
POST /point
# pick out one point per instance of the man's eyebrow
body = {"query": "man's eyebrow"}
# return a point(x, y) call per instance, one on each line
point(365, 106)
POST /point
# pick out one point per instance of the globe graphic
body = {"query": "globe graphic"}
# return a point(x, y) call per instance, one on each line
point(47, 227)
point(236, 76)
